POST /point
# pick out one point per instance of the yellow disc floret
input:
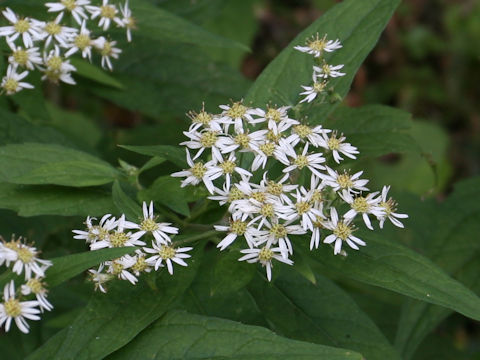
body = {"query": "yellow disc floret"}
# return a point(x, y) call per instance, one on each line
point(237, 110)
point(52, 28)
point(208, 139)
point(70, 5)
point(278, 231)
point(22, 26)
point(301, 161)
point(360, 205)
point(148, 225)
point(198, 170)
point(12, 308)
point(118, 239)
point(303, 207)
point(342, 231)
point(302, 130)
point(345, 181)
point(265, 254)
point(238, 227)
point(228, 167)
point(167, 252)
point(82, 41)
point(108, 11)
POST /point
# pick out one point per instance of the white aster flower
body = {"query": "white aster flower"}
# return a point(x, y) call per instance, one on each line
point(390, 207)
point(57, 68)
point(311, 92)
point(12, 82)
point(237, 113)
point(328, 71)
point(316, 45)
point(304, 208)
point(74, 7)
point(22, 57)
point(226, 169)
point(312, 162)
point(264, 256)
point(363, 205)
point(278, 188)
point(160, 231)
point(306, 133)
point(81, 42)
point(344, 181)
point(118, 237)
point(127, 21)
point(277, 233)
point(107, 50)
point(107, 13)
point(337, 145)
point(167, 254)
point(53, 31)
point(237, 228)
point(95, 233)
point(205, 120)
point(261, 211)
point(245, 141)
point(36, 286)
point(24, 28)
point(14, 309)
point(342, 232)
point(227, 195)
point(277, 118)
point(140, 265)
point(26, 259)
point(206, 139)
point(100, 278)
point(196, 173)
point(121, 268)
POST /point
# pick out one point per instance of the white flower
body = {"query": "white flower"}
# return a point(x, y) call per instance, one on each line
point(204, 119)
point(245, 141)
point(312, 162)
point(14, 309)
point(108, 51)
point(316, 233)
point(278, 188)
point(339, 181)
point(37, 286)
point(120, 268)
point(316, 46)
point(277, 233)
point(390, 207)
point(227, 168)
point(264, 256)
point(100, 278)
point(81, 42)
point(306, 133)
point(342, 231)
point(304, 209)
point(311, 92)
point(362, 205)
point(337, 145)
point(277, 118)
point(118, 237)
point(54, 31)
point(263, 211)
point(75, 7)
point(236, 229)
point(160, 231)
point(196, 173)
point(328, 71)
point(26, 259)
point(106, 12)
point(140, 264)
point(26, 58)
point(167, 254)
point(7, 255)
point(206, 139)
point(127, 20)
point(236, 114)
point(20, 27)
point(12, 82)
point(98, 232)
point(57, 69)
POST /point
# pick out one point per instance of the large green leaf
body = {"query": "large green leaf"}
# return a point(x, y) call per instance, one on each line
point(180, 335)
point(112, 320)
point(358, 25)
point(125, 204)
point(94, 73)
point(321, 313)
point(175, 154)
point(55, 200)
point(393, 266)
point(36, 164)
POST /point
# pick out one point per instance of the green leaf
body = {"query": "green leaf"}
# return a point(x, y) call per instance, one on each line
point(229, 274)
point(66, 267)
point(92, 72)
point(174, 154)
point(125, 204)
point(393, 266)
point(374, 129)
point(180, 335)
point(55, 200)
point(112, 320)
point(358, 25)
point(320, 313)
point(36, 164)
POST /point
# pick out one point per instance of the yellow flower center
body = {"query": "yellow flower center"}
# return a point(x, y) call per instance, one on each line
point(108, 11)
point(118, 239)
point(12, 308)
point(55, 63)
point(235, 194)
point(21, 57)
point(317, 196)
point(238, 227)
point(265, 254)
point(318, 223)
point(70, 5)
point(342, 231)
point(131, 23)
point(82, 41)
point(334, 143)
point(22, 26)
point(317, 44)
point(319, 87)
point(242, 140)
point(388, 206)
point(208, 139)
point(360, 205)
point(198, 170)
point(268, 148)
point(117, 268)
point(167, 252)
point(228, 167)
point(53, 75)
point(273, 114)
point(25, 254)
point(53, 28)
point(107, 49)
point(345, 181)
point(12, 245)
point(326, 69)
point(301, 161)
point(274, 188)
point(303, 207)
point(149, 225)
point(259, 196)
point(202, 117)
point(278, 231)
point(237, 110)
point(302, 130)
point(267, 210)
point(11, 85)
point(140, 265)
point(271, 136)
point(36, 286)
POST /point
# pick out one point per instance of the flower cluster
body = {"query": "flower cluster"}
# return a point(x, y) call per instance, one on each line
point(111, 232)
point(23, 258)
point(47, 45)
point(252, 160)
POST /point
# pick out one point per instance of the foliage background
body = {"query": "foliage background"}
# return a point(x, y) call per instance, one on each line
point(425, 63)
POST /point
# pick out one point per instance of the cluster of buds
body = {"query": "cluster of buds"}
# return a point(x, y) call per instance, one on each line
point(23, 258)
point(252, 160)
point(111, 232)
point(47, 45)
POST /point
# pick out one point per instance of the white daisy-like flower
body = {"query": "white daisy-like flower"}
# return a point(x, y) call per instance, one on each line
point(227, 195)
point(14, 309)
point(196, 173)
point(312, 162)
point(237, 228)
point(204, 119)
point(277, 118)
point(264, 256)
point(53, 31)
point(227, 168)
point(311, 92)
point(74, 7)
point(337, 146)
point(107, 50)
point(317, 46)
point(160, 231)
point(81, 42)
point(304, 208)
point(98, 232)
point(318, 226)
point(168, 255)
point(236, 113)
point(26, 259)
point(244, 141)
point(121, 268)
point(328, 71)
point(118, 237)
point(363, 205)
point(344, 181)
point(206, 139)
point(100, 278)
point(107, 13)
point(278, 233)
point(12, 82)
point(342, 232)
point(36, 286)
point(127, 21)
point(57, 68)
point(24, 57)
point(278, 188)
point(390, 207)
point(306, 133)
point(23, 28)
point(261, 211)
point(141, 264)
